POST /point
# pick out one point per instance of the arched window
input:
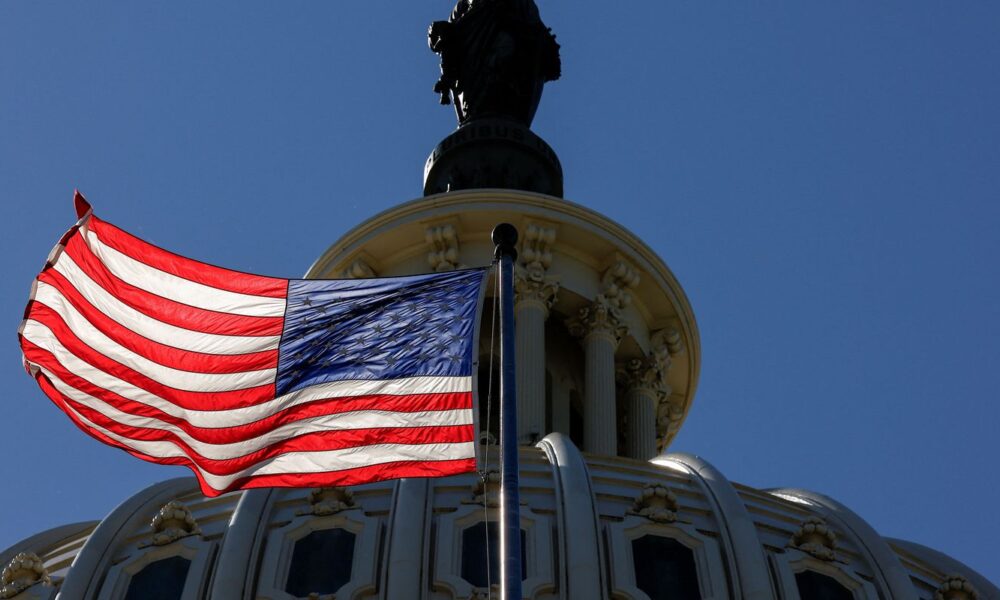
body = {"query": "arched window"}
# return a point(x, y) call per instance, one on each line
point(665, 569)
point(816, 586)
point(160, 580)
point(478, 542)
point(321, 563)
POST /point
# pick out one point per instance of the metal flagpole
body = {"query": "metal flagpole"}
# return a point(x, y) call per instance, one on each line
point(505, 236)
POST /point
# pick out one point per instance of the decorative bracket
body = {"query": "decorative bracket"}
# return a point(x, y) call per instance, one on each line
point(816, 538)
point(23, 571)
point(173, 522)
point(956, 587)
point(327, 501)
point(617, 283)
point(657, 503)
point(443, 240)
point(359, 269)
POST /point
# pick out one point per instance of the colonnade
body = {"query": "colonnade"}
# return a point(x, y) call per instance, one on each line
point(600, 328)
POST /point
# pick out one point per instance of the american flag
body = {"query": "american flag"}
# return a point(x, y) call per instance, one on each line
point(254, 381)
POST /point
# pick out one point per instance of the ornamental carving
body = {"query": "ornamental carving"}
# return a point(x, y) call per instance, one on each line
point(536, 249)
point(816, 538)
point(173, 522)
point(644, 373)
point(443, 240)
point(669, 415)
point(956, 587)
point(484, 594)
point(531, 282)
point(599, 318)
point(656, 503)
point(327, 501)
point(668, 339)
point(617, 283)
point(486, 491)
point(359, 269)
point(529, 288)
point(23, 571)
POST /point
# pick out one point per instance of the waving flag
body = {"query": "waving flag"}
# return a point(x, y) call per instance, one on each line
point(254, 381)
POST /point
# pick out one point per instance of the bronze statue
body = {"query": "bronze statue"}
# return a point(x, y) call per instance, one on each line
point(496, 56)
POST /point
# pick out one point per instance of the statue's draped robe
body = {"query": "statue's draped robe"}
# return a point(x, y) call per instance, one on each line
point(499, 55)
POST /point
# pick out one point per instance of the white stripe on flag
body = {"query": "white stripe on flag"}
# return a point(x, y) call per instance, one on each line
point(221, 419)
point(361, 419)
point(180, 289)
point(40, 334)
point(324, 461)
point(158, 331)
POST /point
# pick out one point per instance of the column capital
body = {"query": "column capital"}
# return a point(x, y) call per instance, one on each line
point(645, 374)
point(534, 287)
point(600, 319)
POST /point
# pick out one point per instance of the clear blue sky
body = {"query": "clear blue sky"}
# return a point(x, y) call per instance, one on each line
point(822, 177)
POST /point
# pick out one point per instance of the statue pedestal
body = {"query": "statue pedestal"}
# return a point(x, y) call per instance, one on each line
point(493, 153)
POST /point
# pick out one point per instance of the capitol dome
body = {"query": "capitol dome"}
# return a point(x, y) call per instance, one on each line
point(608, 362)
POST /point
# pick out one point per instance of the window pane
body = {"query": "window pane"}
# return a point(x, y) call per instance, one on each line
point(321, 563)
point(475, 568)
point(160, 580)
point(665, 569)
point(816, 586)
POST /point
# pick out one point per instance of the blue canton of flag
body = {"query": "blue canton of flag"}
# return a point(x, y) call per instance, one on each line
point(378, 329)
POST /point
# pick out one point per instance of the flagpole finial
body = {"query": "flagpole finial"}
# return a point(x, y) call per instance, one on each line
point(505, 237)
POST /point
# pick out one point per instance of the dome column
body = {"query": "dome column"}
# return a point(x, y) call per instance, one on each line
point(601, 331)
point(534, 293)
point(601, 328)
point(648, 410)
point(645, 388)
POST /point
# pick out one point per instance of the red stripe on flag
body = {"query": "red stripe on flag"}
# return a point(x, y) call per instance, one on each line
point(318, 441)
point(195, 400)
point(185, 360)
point(217, 277)
point(357, 476)
point(164, 309)
point(238, 433)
